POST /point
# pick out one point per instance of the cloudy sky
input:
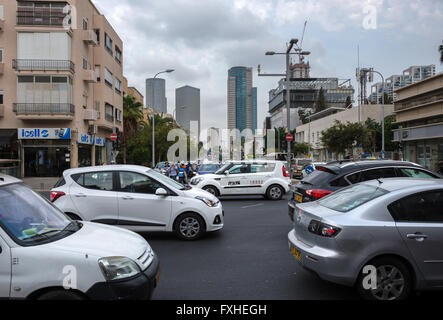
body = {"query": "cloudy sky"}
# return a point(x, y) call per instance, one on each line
point(202, 39)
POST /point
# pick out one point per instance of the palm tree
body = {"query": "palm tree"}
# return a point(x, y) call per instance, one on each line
point(132, 120)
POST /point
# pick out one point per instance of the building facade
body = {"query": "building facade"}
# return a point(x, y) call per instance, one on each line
point(410, 75)
point(61, 87)
point(419, 110)
point(242, 99)
point(187, 107)
point(311, 132)
point(304, 93)
point(156, 95)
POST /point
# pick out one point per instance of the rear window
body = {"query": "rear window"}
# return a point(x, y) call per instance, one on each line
point(319, 177)
point(350, 198)
point(60, 183)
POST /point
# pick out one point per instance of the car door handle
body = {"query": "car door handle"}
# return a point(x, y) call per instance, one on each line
point(81, 195)
point(417, 236)
point(127, 198)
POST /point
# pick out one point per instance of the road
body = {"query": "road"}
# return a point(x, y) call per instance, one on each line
point(248, 259)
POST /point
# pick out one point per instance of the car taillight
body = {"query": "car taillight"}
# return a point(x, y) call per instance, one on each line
point(318, 193)
point(285, 173)
point(322, 229)
point(56, 194)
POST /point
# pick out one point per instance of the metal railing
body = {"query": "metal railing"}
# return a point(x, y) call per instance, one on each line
point(44, 109)
point(43, 65)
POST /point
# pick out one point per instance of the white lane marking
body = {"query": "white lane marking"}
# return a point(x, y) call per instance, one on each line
point(252, 206)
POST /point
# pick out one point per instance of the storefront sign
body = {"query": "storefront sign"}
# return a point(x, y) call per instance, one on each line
point(101, 142)
point(85, 139)
point(45, 133)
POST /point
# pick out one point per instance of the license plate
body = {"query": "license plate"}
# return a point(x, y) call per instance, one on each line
point(296, 253)
point(299, 198)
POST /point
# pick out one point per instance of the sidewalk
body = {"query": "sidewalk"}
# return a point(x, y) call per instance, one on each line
point(40, 184)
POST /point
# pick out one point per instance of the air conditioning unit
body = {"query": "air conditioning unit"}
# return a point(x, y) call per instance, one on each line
point(93, 129)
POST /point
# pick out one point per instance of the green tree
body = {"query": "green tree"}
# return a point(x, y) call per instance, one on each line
point(300, 149)
point(132, 122)
point(321, 101)
point(342, 138)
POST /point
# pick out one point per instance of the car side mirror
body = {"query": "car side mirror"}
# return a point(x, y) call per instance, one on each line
point(161, 192)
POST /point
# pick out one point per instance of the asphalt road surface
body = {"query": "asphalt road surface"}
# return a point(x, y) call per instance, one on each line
point(248, 259)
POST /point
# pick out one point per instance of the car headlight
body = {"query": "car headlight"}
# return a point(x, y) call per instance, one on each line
point(196, 181)
point(208, 202)
point(117, 268)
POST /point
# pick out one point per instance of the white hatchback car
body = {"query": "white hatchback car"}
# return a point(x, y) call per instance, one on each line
point(137, 198)
point(259, 177)
point(46, 256)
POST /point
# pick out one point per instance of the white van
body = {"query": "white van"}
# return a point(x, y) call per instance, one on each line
point(44, 255)
point(137, 198)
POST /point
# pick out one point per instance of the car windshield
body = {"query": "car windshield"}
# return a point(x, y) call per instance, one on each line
point(28, 218)
point(303, 162)
point(352, 197)
point(208, 167)
point(166, 180)
point(223, 169)
point(161, 165)
point(318, 178)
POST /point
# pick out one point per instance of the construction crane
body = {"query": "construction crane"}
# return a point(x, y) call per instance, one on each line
point(299, 49)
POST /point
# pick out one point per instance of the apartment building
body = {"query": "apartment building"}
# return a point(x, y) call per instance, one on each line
point(419, 111)
point(61, 86)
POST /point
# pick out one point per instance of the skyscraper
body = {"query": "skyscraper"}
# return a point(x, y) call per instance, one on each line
point(156, 95)
point(242, 99)
point(187, 106)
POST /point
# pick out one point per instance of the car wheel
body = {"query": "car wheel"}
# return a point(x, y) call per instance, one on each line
point(394, 281)
point(190, 226)
point(212, 190)
point(65, 295)
point(275, 193)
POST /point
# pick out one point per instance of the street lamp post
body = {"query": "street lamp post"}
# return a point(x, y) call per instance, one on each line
point(288, 53)
point(153, 114)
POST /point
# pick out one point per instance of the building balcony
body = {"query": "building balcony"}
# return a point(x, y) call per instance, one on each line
point(90, 37)
point(91, 115)
point(38, 111)
point(46, 16)
point(89, 76)
point(43, 65)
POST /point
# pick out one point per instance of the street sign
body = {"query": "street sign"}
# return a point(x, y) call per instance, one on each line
point(289, 137)
point(114, 137)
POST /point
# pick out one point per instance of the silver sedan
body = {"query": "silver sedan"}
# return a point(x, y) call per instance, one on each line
point(384, 237)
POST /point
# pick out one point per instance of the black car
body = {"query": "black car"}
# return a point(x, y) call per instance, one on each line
point(337, 175)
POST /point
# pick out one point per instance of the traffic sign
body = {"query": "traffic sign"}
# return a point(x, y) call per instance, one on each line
point(289, 137)
point(114, 137)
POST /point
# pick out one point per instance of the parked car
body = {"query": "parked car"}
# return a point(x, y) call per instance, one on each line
point(383, 237)
point(162, 167)
point(337, 175)
point(137, 198)
point(45, 255)
point(262, 177)
point(208, 168)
